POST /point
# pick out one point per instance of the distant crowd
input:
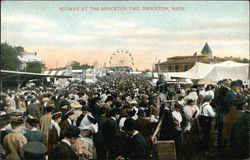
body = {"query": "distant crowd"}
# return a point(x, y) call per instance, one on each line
point(116, 118)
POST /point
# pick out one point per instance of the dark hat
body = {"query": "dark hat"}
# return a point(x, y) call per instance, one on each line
point(127, 105)
point(29, 97)
point(32, 120)
point(141, 113)
point(190, 100)
point(239, 100)
point(102, 110)
point(115, 111)
point(33, 100)
point(82, 102)
point(72, 132)
point(194, 86)
point(129, 124)
point(56, 114)
point(237, 83)
point(34, 150)
point(207, 97)
point(240, 82)
point(109, 98)
point(80, 93)
point(70, 112)
point(86, 108)
point(131, 112)
point(4, 120)
point(17, 119)
point(64, 103)
point(15, 113)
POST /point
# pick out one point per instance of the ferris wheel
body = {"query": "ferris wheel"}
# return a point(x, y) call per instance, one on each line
point(121, 58)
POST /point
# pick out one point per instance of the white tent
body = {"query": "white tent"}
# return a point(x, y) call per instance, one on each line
point(229, 69)
point(215, 72)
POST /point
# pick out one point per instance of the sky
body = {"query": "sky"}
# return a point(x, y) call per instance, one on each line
point(90, 31)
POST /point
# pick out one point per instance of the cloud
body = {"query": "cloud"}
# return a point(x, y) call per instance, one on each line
point(216, 24)
point(141, 40)
point(111, 24)
point(29, 22)
point(35, 30)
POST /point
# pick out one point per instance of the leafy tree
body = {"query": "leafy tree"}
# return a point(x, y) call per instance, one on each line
point(245, 60)
point(77, 65)
point(35, 67)
point(238, 59)
point(20, 49)
point(9, 60)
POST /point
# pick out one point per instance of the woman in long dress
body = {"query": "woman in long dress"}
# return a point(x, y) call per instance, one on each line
point(191, 132)
point(54, 132)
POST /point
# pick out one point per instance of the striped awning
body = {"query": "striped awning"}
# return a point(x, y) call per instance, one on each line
point(55, 73)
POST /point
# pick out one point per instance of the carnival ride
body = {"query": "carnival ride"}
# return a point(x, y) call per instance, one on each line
point(121, 60)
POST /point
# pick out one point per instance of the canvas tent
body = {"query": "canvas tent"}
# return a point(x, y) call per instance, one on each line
point(215, 72)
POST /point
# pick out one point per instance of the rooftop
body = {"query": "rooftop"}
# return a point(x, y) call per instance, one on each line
point(192, 60)
point(28, 53)
point(183, 57)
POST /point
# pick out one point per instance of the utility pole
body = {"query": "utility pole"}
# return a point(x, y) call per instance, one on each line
point(56, 64)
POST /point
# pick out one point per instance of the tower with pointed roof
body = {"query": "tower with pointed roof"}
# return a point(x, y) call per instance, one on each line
point(206, 51)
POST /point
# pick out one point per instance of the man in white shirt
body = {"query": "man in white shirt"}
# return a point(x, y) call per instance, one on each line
point(206, 115)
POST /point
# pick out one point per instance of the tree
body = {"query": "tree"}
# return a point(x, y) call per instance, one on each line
point(20, 49)
point(9, 60)
point(238, 59)
point(245, 60)
point(77, 65)
point(35, 67)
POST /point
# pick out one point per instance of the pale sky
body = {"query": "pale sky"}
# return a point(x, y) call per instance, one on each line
point(61, 36)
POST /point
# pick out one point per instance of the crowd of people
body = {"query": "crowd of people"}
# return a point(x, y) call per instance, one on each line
point(116, 117)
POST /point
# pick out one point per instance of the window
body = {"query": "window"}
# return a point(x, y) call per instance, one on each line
point(162, 68)
point(176, 68)
point(169, 68)
point(185, 67)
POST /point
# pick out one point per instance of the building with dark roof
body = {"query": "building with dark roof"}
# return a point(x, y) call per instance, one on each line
point(28, 57)
point(184, 63)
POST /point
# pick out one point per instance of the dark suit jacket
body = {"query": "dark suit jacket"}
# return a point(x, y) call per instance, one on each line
point(145, 129)
point(57, 101)
point(63, 152)
point(240, 137)
point(219, 96)
point(135, 147)
point(228, 102)
point(34, 136)
point(110, 132)
point(98, 137)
